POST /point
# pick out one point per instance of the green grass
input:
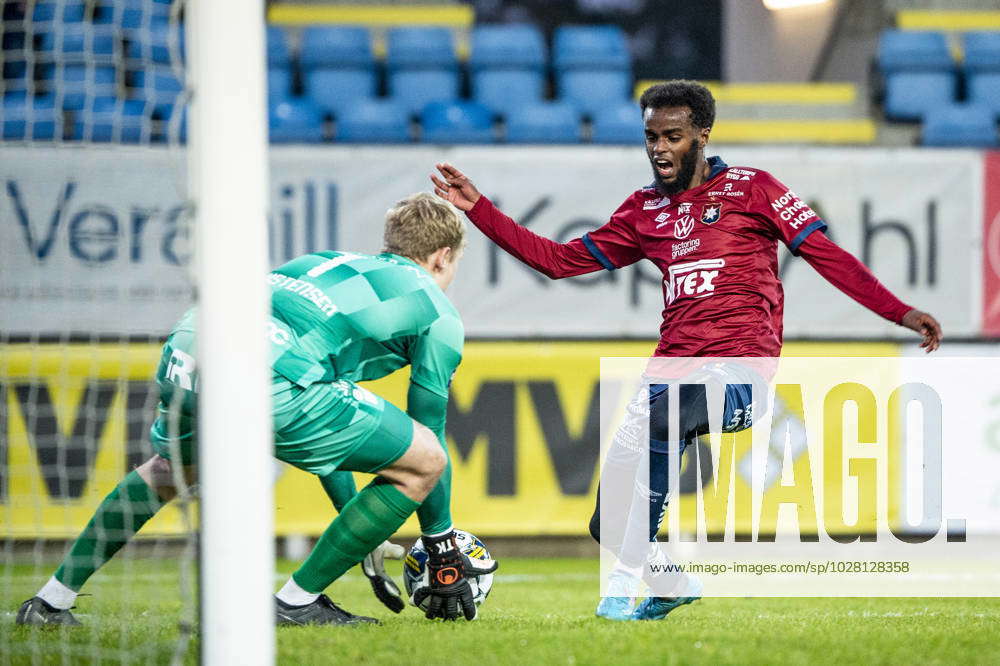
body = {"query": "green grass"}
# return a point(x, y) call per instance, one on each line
point(540, 612)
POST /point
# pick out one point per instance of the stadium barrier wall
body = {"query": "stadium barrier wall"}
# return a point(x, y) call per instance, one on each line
point(96, 242)
point(522, 429)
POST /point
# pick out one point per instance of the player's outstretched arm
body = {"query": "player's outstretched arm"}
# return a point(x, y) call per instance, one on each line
point(455, 187)
point(927, 326)
point(552, 259)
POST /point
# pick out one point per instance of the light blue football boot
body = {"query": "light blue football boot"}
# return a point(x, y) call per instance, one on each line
point(657, 608)
point(623, 588)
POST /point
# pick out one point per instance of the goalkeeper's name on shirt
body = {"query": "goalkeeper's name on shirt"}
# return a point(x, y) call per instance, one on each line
point(308, 291)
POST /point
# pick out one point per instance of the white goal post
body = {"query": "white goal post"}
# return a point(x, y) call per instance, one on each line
point(228, 174)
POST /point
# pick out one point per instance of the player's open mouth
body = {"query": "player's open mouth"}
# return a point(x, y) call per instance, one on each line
point(664, 167)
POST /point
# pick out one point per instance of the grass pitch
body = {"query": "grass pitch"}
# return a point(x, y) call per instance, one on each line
point(540, 612)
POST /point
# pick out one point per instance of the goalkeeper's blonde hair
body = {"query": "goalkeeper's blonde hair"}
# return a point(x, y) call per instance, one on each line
point(420, 224)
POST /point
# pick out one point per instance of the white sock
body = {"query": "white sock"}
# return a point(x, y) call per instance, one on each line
point(57, 595)
point(293, 595)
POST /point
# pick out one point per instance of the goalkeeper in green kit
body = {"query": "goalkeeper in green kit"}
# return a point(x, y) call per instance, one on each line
point(336, 318)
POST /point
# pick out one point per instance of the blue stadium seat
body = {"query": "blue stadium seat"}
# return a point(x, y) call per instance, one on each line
point(552, 122)
point(960, 125)
point(507, 47)
point(621, 123)
point(77, 83)
point(108, 119)
point(131, 13)
point(911, 94)
point(373, 121)
point(13, 59)
point(591, 47)
point(591, 90)
point(278, 53)
point(294, 120)
point(279, 82)
point(24, 118)
point(155, 44)
point(78, 43)
point(912, 50)
point(158, 85)
point(414, 89)
point(420, 48)
point(336, 89)
point(457, 122)
point(503, 90)
point(71, 12)
point(984, 90)
point(982, 52)
point(335, 46)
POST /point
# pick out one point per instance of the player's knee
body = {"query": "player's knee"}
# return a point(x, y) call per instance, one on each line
point(432, 457)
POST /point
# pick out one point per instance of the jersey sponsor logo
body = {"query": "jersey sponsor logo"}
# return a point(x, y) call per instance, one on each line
point(661, 219)
point(727, 191)
point(652, 204)
point(744, 174)
point(310, 292)
point(735, 176)
point(684, 208)
point(180, 370)
point(683, 227)
point(711, 213)
point(362, 394)
point(790, 208)
point(687, 247)
point(277, 335)
point(693, 279)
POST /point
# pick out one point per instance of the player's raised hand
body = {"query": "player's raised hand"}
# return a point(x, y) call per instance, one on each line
point(454, 187)
point(925, 325)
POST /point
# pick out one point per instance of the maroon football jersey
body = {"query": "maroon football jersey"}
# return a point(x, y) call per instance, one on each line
point(716, 245)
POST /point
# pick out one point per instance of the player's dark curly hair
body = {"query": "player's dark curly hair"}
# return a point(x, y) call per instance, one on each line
point(680, 92)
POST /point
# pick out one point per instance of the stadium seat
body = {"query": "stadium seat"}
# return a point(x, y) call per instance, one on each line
point(911, 94)
point(591, 90)
point(113, 120)
point(621, 123)
point(78, 43)
point(13, 58)
point(279, 82)
point(591, 47)
point(420, 48)
point(503, 90)
point(335, 46)
point(294, 120)
point(552, 122)
point(278, 53)
point(413, 89)
point(156, 44)
point(507, 47)
point(158, 85)
point(64, 12)
point(960, 125)
point(373, 121)
point(984, 90)
point(131, 13)
point(28, 118)
point(77, 83)
point(982, 52)
point(913, 50)
point(457, 122)
point(336, 89)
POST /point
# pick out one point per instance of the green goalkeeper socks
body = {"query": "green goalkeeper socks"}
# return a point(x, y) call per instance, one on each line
point(371, 517)
point(340, 488)
point(122, 513)
point(435, 512)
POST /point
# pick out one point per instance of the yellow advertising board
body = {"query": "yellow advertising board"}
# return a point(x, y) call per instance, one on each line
point(523, 433)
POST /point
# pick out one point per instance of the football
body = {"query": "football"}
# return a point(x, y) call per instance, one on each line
point(415, 567)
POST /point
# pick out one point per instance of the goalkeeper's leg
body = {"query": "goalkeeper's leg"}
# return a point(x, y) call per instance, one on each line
point(377, 438)
point(117, 519)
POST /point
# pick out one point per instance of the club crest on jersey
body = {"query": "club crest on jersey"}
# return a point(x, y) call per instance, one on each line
point(652, 204)
point(711, 213)
point(683, 227)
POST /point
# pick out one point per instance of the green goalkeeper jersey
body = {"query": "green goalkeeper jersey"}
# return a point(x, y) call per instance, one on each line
point(338, 315)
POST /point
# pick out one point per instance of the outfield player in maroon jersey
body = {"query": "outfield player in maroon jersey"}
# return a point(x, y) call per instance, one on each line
point(713, 231)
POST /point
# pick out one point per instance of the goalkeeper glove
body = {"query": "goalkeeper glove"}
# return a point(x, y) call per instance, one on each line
point(382, 584)
point(449, 592)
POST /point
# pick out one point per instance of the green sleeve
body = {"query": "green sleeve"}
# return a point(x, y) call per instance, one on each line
point(436, 353)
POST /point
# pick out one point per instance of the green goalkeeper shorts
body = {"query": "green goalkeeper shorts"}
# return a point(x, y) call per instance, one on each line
point(319, 429)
